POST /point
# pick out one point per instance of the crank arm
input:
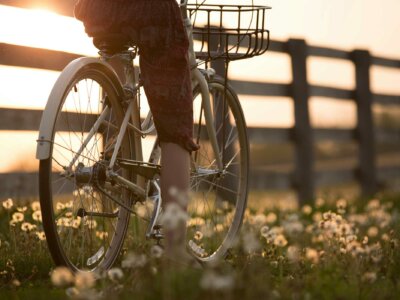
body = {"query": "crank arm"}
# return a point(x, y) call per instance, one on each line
point(82, 213)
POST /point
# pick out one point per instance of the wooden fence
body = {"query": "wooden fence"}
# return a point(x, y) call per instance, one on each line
point(304, 179)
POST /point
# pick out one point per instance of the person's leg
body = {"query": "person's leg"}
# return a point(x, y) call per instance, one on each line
point(175, 174)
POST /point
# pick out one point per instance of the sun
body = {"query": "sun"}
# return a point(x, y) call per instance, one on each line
point(41, 28)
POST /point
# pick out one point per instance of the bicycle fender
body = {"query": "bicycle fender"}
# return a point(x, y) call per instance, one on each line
point(57, 94)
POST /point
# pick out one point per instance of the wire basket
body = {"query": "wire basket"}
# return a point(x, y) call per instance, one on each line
point(231, 32)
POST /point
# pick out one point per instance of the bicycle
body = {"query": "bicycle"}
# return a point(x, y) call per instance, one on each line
point(92, 175)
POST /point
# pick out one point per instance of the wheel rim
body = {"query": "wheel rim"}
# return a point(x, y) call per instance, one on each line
point(88, 227)
point(218, 197)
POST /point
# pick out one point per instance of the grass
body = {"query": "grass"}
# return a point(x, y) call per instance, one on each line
point(336, 249)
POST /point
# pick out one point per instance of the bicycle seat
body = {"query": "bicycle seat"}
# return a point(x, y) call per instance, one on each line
point(111, 43)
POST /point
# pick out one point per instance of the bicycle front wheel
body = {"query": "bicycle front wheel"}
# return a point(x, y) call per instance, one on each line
point(84, 227)
point(218, 195)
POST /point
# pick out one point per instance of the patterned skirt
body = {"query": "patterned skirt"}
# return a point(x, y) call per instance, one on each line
point(156, 26)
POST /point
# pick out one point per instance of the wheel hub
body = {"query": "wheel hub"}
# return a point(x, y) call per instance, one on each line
point(90, 175)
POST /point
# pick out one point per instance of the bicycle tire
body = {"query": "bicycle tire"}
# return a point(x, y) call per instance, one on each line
point(211, 241)
point(80, 239)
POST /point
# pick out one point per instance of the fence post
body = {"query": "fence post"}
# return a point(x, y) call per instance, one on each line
point(365, 129)
point(303, 135)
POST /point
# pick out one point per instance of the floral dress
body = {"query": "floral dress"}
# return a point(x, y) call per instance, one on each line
point(156, 26)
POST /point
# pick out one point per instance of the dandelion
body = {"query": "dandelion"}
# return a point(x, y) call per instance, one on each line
point(22, 209)
point(173, 216)
point(92, 224)
point(65, 222)
point(319, 202)
point(219, 228)
point(26, 226)
point(37, 216)
point(373, 205)
point(133, 261)
point(213, 281)
point(60, 206)
point(250, 243)
point(264, 231)
point(198, 236)
point(156, 251)
point(198, 250)
point(196, 222)
point(15, 282)
point(385, 237)
point(76, 222)
point(17, 217)
point(102, 234)
point(35, 205)
point(369, 277)
point(41, 236)
point(259, 220)
point(365, 240)
point(293, 253)
point(280, 241)
point(61, 277)
point(8, 204)
point(307, 209)
point(115, 274)
point(341, 204)
point(271, 218)
point(312, 255)
point(84, 280)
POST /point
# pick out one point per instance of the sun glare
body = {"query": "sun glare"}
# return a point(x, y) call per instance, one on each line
point(43, 29)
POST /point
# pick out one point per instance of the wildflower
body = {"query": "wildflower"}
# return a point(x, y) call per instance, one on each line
point(26, 226)
point(22, 209)
point(196, 222)
point(41, 236)
point(317, 216)
point(35, 205)
point(293, 253)
point(156, 251)
point(341, 204)
point(259, 220)
point(219, 228)
point(319, 202)
point(115, 274)
point(92, 224)
point(271, 218)
point(133, 261)
point(274, 264)
point(8, 203)
point(385, 237)
point(369, 277)
point(198, 236)
point(173, 216)
point(37, 216)
point(65, 222)
point(264, 231)
point(60, 206)
point(373, 204)
point(61, 276)
point(307, 209)
point(365, 240)
point(84, 280)
point(280, 241)
point(102, 234)
point(213, 281)
point(76, 222)
point(15, 282)
point(17, 217)
point(312, 255)
point(250, 243)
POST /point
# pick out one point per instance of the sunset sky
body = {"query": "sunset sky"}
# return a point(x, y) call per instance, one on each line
point(343, 24)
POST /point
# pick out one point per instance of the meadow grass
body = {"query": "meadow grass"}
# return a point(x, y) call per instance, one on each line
point(335, 249)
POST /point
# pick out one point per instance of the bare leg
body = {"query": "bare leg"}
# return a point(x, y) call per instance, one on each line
point(175, 173)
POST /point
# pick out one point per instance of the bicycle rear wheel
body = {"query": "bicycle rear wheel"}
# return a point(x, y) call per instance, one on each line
point(84, 228)
point(218, 196)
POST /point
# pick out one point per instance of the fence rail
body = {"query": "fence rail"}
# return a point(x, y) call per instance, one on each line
point(303, 177)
